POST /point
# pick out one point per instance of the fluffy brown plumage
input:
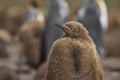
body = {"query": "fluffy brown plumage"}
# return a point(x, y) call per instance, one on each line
point(7, 73)
point(16, 14)
point(41, 72)
point(112, 39)
point(112, 44)
point(74, 57)
point(3, 13)
point(5, 39)
point(114, 20)
point(5, 22)
point(30, 36)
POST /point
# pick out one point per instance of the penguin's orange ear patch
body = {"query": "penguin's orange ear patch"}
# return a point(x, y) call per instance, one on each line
point(30, 5)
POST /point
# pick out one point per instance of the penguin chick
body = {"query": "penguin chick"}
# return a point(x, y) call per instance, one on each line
point(30, 36)
point(114, 20)
point(74, 57)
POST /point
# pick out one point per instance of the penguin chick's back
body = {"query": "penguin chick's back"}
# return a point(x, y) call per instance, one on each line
point(74, 59)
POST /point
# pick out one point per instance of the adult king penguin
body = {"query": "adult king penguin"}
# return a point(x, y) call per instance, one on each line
point(57, 14)
point(103, 14)
point(33, 14)
point(89, 16)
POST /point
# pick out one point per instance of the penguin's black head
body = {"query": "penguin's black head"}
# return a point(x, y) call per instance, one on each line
point(73, 29)
point(34, 3)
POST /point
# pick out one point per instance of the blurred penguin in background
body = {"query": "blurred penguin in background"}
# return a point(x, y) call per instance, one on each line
point(7, 73)
point(5, 40)
point(33, 14)
point(16, 15)
point(103, 14)
point(89, 16)
point(57, 14)
point(4, 18)
point(29, 37)
point(3, 13)
point(114, 21)
point(112, 39)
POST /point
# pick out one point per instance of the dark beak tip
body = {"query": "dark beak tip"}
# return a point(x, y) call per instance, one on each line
point(57, 25)
point(60, 26)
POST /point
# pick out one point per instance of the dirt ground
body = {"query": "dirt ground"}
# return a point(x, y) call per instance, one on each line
point(111, 65)
point(111, 69)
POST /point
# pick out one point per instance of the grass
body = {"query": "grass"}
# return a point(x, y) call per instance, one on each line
point(74, 4)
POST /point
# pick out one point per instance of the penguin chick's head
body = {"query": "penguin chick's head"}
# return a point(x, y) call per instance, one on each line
point(73, 29)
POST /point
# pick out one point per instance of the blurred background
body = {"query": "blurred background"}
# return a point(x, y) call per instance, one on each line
point(21, 52)
point(73, 4)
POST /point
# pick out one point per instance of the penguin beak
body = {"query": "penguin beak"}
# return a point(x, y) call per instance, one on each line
point(61, 27)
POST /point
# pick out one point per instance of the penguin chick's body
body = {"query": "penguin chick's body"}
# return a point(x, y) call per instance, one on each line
point(74, 56)
point(30, 36)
